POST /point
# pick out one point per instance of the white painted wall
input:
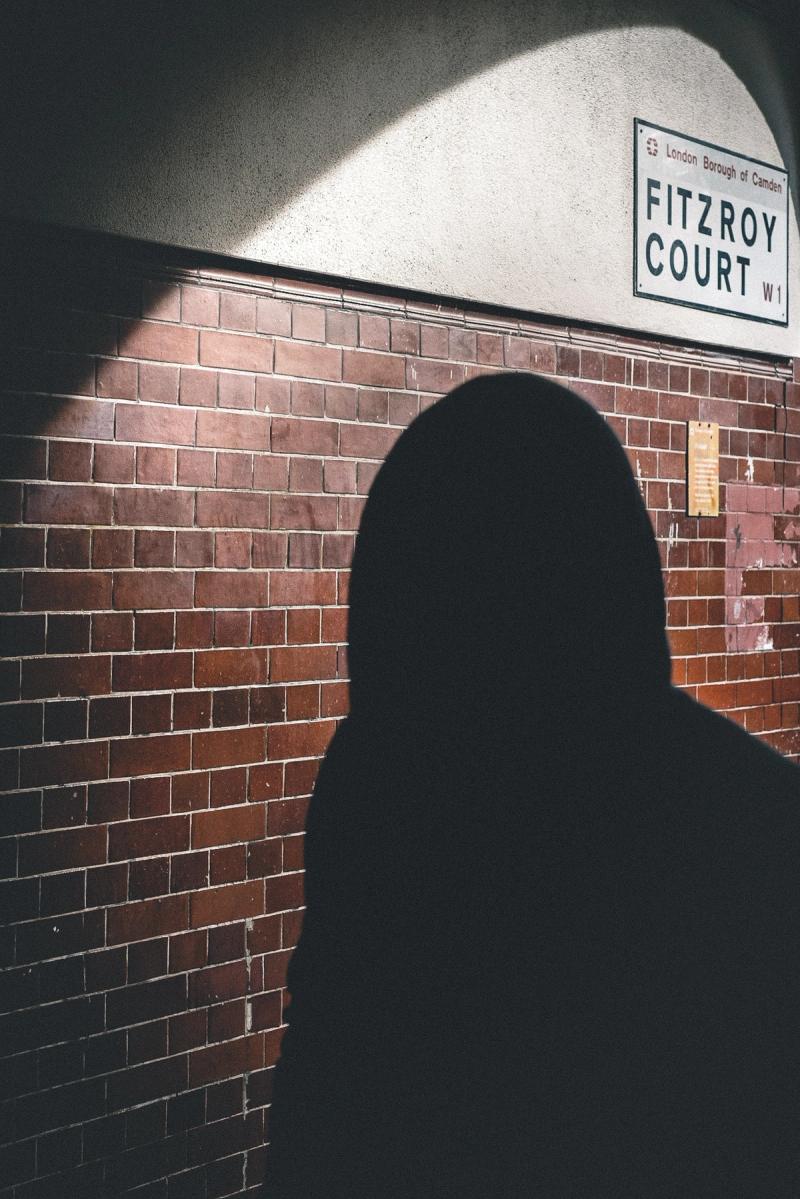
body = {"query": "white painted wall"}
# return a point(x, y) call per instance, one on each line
point(481, 151)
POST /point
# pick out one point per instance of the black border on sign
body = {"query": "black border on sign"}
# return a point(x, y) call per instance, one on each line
point(643, 295)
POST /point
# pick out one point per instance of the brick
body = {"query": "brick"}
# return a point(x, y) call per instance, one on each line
point(297, 436)
point(233, 431)
point(227, 865)
point(149, 755)
point(194, 547)
point(267, 704)
point(161, 301)
point(272, 395)
point(75, 675)
point(341, 328)
point(373, 331)
point(225, 668)
point(155, 464)
point(235, 350)
point(158, 383)
point(233, 550)
point(299, 740)
point(283, 893)
point(23, 458)
point(64, 764)
point(227, 747)
point(25, 547)
point(237, 391)
point(154, 630)
point(302, 626)
point(10, 503)
point(308, 322)
point(198, 388)
point(117, 378)
point(112, 548)
point(193, 629)
point(43, 853)
point(191, 710)
point(67, 505)
point(153, 589)
point(339, 477)
point(372, 369)
point(21, 635)
point(70, 461)
point(228, 825)
point(237, 311)
point(231, 707)
point(112, 631)
point(350, 510)
point(61, 418)
point(163, 343)
point(114, 463)
point(308, 361)
point(195, 468)
point(62, 722)
point(341, 403)
point(231, 628)
point(154, 548)
point(302, 703)
point(65, 547)
point(270, 473)
point(199, 305)
point(264, 857)
point(269, 549)
point(217, 905)
point(146, 838)
point(110, 717)
point(293, 664)
point(229, 787)
point(438, 377)
point(273, 316)
point(233, 509)
point(307, 399)
point(152, 672)
point(373, 405)
point(231, 589)
point(155, 424)
point(302, 588)
point(366, 441)
point(303, 512)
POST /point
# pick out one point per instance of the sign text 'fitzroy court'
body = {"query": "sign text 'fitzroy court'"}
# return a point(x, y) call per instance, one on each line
point(710, 227)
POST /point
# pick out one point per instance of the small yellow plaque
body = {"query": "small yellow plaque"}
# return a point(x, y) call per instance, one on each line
point(703, 481)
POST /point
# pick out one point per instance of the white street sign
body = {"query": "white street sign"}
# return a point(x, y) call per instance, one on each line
point(710, 227)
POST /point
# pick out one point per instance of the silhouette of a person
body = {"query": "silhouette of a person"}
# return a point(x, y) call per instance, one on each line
point(552, 935)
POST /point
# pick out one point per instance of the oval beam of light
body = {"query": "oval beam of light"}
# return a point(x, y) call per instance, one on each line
point(515, 186)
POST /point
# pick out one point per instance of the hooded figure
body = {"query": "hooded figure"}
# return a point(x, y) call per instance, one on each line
point(551, 940)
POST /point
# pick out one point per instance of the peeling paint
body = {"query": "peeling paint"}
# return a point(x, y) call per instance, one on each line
point(749, 474)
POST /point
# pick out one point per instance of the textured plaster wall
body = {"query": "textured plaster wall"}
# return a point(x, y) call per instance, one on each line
point(477, 150)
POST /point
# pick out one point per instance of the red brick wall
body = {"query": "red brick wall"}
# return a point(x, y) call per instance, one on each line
point(187, 452)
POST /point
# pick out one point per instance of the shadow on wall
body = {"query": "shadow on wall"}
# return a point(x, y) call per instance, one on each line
point(303, 82)
point(100, 1011)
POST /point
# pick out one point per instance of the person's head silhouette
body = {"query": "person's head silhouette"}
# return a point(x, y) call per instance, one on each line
point(505, 550)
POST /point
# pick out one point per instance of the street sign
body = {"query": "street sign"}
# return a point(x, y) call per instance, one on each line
point(710, 227)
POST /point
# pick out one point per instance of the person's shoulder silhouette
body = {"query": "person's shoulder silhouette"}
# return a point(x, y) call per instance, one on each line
point(551, 938)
